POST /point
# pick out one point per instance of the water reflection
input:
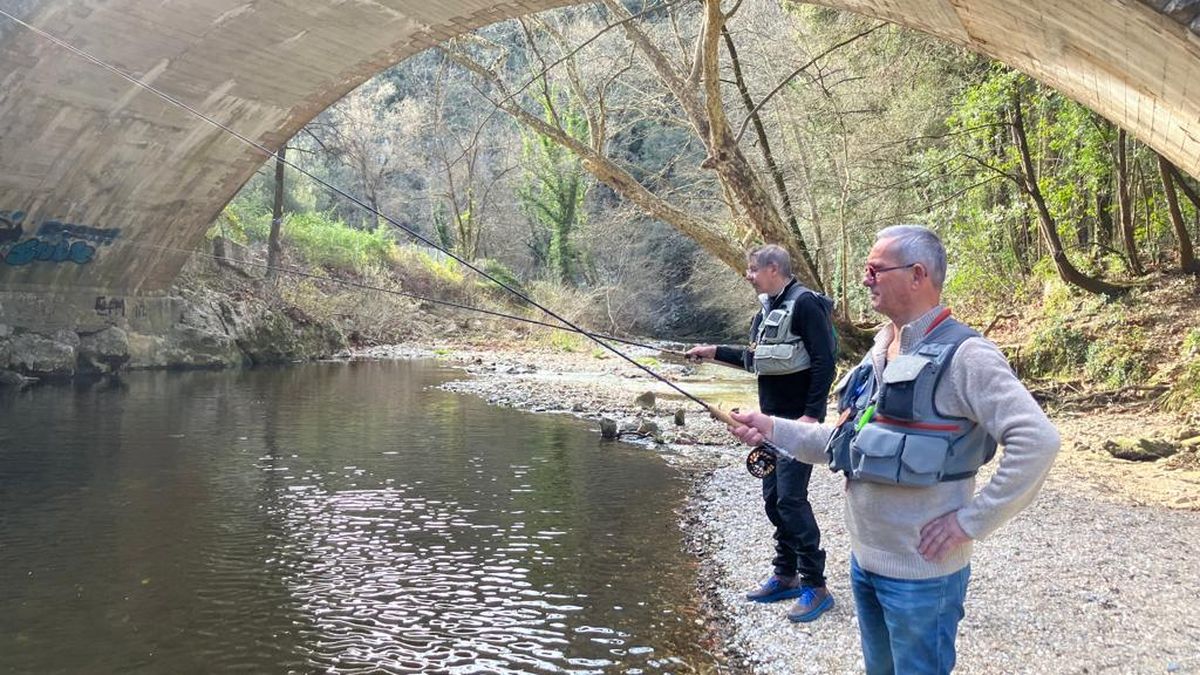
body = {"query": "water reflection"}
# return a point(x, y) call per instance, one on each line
point(330, 517)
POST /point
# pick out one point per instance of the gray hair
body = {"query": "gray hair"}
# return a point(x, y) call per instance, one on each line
point(918, 244)
point(772, 254)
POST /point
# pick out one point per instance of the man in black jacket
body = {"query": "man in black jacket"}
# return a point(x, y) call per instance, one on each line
point(792, 351)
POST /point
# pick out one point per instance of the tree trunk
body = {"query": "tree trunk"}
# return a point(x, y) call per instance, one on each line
point(1049, 228)
point(1125, 204)
point(1104, 220)
point(274, 249)
point(1192, 196)
point(764, 146)
point(1187, 258)
point(1188, 190)
point(727, 158)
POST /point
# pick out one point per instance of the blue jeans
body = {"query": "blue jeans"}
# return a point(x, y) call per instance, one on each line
point(908, 625)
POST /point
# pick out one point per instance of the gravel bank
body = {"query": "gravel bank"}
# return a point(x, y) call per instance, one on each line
point(1098, 575)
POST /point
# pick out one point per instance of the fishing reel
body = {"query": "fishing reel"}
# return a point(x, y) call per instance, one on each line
point(760, 462)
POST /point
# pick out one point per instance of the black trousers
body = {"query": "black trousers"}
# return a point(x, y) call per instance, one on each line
point(797, 537)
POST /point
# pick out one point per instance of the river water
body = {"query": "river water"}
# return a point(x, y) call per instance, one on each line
point(331, 517)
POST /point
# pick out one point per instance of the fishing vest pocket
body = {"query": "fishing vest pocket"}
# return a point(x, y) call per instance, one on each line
point(837, 450)
point(903, 387)
point(880, 455)
point(772, 323)
point(922, 460)
point(875, 454)
point(780, 359)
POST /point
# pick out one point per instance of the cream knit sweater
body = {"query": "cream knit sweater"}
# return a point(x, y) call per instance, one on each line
point(885, 521)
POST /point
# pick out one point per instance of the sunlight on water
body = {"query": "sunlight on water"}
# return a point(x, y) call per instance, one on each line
point(332, 517)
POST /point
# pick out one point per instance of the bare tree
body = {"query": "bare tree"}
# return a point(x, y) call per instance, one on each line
point(695, 86)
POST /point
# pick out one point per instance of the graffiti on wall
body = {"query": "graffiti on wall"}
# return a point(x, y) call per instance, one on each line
point(55, 241)
point(106, 306)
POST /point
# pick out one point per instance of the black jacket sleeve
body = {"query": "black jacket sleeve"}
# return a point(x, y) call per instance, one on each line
point(737, 356)
point(811, 324)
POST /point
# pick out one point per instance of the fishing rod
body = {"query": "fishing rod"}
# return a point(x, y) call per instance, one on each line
point(760, 461)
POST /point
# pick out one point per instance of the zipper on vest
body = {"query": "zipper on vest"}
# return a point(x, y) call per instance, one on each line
point(924, 426)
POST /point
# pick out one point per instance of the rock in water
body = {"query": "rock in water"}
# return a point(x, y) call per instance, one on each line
point(645, 400)
point(647, 428)
point(680, 417)
point(608, 428)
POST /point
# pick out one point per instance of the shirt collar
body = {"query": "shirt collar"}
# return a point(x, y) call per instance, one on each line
point(911, 333)
point(768, 301)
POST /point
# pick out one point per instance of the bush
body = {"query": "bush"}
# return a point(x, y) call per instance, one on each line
point(326, 242)
point(430, 273)
point(1056, 350)
point(1185, 391)
point(501, 272)
point(566, 342)
point(1116, 364)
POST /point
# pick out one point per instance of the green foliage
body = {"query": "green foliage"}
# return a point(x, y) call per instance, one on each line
point(441, 226)
point(1185, 391)
point(1191, 344)
point(501, 272)
point(1117, 363)
point(566, 342)
point(554, 190)
point(326, 242)
point(1058, 299)
point(1056, 350)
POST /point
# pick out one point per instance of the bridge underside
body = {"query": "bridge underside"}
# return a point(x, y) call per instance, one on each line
point(105, 186)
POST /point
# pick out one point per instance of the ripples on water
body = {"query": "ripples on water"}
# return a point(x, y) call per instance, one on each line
point(330, 518)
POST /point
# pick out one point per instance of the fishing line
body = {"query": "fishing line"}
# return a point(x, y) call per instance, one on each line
point(767, 448)
point(405, 294)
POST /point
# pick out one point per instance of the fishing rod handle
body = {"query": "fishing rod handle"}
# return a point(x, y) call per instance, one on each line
point(727, 419)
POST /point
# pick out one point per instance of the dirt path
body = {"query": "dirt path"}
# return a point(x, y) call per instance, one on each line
point(1100, 574)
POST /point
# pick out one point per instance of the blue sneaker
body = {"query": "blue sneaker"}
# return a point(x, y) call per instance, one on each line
point(776, 588)
point(811, 603)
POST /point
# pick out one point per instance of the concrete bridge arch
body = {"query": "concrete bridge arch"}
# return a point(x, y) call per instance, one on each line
point(91, 161)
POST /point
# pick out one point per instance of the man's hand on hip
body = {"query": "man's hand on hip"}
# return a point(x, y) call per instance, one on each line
point(940, 536)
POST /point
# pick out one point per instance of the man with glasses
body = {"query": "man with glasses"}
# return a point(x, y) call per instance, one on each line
point(793, 352)
point(919, 416)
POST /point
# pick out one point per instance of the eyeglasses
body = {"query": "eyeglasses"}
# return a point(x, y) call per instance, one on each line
point(872, 273)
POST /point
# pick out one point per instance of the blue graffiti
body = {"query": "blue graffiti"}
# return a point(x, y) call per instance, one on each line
point(56, 241)
point(78, 252)
point(54, 228)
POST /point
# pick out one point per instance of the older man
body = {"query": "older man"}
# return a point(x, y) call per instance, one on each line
point(919, 416)
point(792, 352)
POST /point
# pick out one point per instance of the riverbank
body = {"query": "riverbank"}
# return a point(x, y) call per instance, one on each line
point(1099, 574)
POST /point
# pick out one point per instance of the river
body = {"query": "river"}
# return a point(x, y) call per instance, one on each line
point(339, 517)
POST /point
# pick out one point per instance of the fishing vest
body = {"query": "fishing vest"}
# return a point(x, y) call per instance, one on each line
point(776, 350)
point(891, 431)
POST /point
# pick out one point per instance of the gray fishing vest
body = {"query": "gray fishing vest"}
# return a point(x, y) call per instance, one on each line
point(903, 439)
point(777, 351)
